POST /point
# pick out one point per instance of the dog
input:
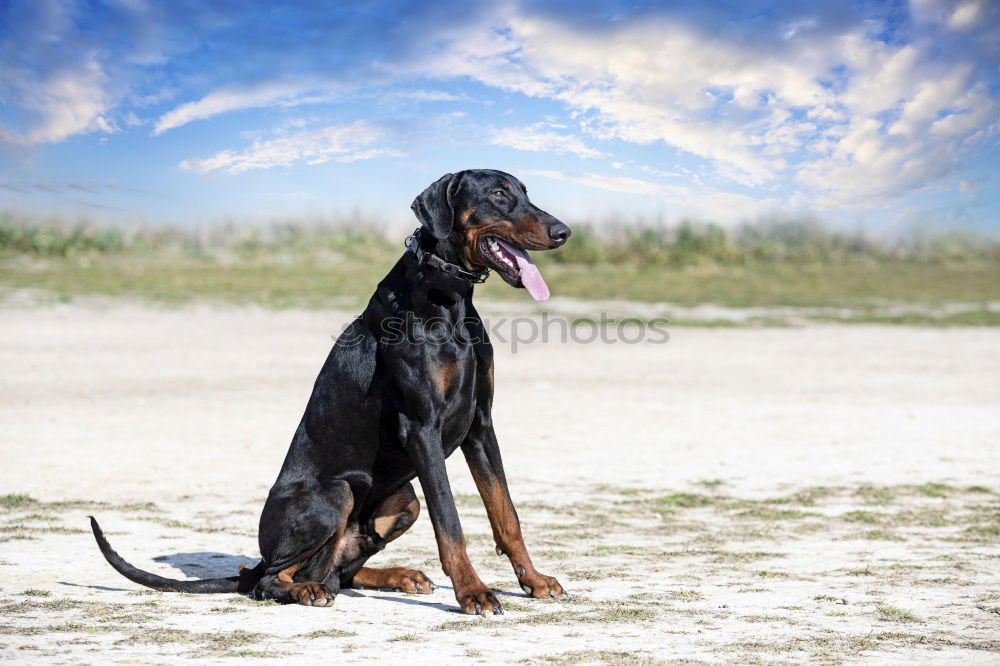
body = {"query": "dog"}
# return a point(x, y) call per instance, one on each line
point(408, 382)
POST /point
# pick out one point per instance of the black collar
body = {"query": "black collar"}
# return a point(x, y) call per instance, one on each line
point(434, 261)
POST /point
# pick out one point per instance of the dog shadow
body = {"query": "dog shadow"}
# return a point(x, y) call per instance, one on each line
point(207, 564)
point(396, 597)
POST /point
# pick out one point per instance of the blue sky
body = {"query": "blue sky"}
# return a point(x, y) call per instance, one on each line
point(882, 115)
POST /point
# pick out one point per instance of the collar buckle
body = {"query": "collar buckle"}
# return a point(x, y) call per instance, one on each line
point(454, 270)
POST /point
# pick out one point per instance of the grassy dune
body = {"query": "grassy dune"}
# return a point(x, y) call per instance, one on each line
point(797, 265)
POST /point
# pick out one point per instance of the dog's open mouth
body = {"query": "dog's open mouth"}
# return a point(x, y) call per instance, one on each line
point(514, 265)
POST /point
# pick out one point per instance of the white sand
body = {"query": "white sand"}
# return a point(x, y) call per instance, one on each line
point(193, 408)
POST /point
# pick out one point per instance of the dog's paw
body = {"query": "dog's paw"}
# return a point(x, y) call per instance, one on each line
point(537, 584)
point(395, 578)
point(312, 594)
point(478, 600)
point(412, 581)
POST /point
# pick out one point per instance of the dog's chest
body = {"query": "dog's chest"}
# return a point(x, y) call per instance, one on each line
point(460, 401)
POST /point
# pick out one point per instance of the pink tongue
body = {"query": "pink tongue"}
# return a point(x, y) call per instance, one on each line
point(530, 277)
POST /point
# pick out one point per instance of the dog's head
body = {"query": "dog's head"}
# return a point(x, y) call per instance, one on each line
point(482, 218)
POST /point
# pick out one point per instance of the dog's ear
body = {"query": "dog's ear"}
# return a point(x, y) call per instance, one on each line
point(433, 207)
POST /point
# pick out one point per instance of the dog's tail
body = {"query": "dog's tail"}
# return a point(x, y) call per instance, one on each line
point(244, 582)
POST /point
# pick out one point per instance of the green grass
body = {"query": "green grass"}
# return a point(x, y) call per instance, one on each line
point(17, 501)
point(796, 265)
point(315, 283)
point(895, 614)
point(686, 500)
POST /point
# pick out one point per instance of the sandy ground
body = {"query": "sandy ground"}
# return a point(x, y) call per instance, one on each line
point(822, 494)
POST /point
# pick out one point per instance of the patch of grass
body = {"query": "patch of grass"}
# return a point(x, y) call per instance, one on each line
point(545, 618)
point(223, 644)
point(468, 500)
point(17, 501)
point(28, 529)
point(453, 625)
point(138, 506)
point(744, 556)
point(923, 518)
point(764, 573)
point(407, 637)
point(622, 612)
point(36, 593)
point(225, 609)
point(867, 571)
point(876, 494)
point(881, 535)
point(934, 490)
point(624, 549)
point(240, 600)
point(805, 497)
point(891, 613)
point(608, 657)
point(982, 532)
point(31, 605)
point(771, 513)
point(41, 517)
point(683, 595)
point(685, 500)
point(764, 618)
point(867, 517)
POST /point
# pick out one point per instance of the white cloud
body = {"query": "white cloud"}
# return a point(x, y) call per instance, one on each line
point(340, 143)
point(841, 112)
point(71, 101)
point(269, 93)
point(956, 14)
point(610, 183)
point(69, 81)
point(803, 100)
point(725, 207)
point(535, 138)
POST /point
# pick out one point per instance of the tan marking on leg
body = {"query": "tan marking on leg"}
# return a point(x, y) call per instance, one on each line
point(471, 593)
point(509, 540)
point(285, 575)
point(503, 519)
point(399, 511)
point(443, 376)
point(489, 376)
point(456, 564)
point(338, 538)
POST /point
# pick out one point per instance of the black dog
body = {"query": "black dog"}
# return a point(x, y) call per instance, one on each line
point(410, 381)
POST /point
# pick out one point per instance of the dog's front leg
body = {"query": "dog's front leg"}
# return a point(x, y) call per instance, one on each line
point(423, 443)
point(482, 452)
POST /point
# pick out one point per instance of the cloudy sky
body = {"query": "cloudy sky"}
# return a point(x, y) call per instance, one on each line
point(881, 114)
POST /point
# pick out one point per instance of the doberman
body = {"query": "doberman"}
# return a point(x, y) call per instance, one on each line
point(405, 385)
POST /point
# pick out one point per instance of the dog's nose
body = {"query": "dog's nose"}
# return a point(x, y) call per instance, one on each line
point(559, 232)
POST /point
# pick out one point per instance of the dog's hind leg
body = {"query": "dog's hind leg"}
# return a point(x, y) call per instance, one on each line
point(396, 515)
point(300, 529)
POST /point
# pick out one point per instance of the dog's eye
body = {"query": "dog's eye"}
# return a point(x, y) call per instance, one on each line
point(498, 193)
